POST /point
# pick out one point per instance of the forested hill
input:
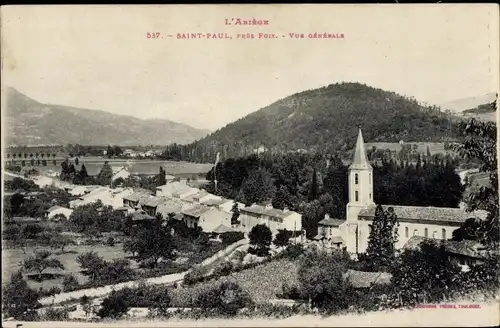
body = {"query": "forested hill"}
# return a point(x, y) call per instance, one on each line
point(328, 118)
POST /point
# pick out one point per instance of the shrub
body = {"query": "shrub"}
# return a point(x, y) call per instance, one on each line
point(70, 283)
point(195, 275)
point(223, 269)
point(52, 314)
point(113, 306)
point(110, 241)
point(18, 300)
point(226, 298)
point(293, 252)
point(282, 238)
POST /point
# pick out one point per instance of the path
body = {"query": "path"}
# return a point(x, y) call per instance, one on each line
point(162, 280)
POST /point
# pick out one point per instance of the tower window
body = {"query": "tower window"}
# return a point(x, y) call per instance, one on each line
point(426, 232)
point(356, 178)
point(415, 232)
point(370, 195)
point(443, 232)
point(370, 178)
point(356, 196)
point(407, 232)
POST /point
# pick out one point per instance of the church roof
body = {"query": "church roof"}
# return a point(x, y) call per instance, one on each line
point(360, 161)
point(439, 214)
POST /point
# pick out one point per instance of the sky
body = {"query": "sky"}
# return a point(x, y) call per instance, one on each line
point(99, 57)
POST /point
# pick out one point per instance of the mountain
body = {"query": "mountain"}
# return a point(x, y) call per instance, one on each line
point(328, 118)
point(29, 122)
point(460, 105)
point(482, 108)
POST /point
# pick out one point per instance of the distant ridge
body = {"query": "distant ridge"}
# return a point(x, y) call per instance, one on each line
point(459, 105)
point(29, 122)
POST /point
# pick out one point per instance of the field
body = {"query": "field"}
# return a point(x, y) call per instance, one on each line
point(12, 259)
point(94, 165)
point(434, 147)
point(263, 282)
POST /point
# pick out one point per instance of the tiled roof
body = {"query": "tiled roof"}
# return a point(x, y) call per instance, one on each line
point(138, 196)
point(170, 206)
point(139, 216)
point(361, 279)
point(53, 208)
point(331, 222)
point(215, 202)
point(196, 210)
point(444, 214)
point(152, 201)
point(222, 229)
point(262, 210)
point(468, 248)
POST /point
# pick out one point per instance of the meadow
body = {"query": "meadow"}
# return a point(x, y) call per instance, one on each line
point(12, 259)
point(144, 166)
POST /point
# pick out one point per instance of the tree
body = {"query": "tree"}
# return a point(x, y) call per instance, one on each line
point(18, 299)
point(236, 214)
point(113, 306)
point(77, 161)
point(92, 263)
point(70, 283)
point(30, 231)
point(424, 275)
point(226, 298)
point(281, 199)
point(153, 242)
point(161, 177)
point(282, 238)
point(105, 175)
point(58, 240)
point(86, 304)
point(258, 186)
point(320, 277)
point(381, 251)
point(41, 262)
point(480, 140)
point(314, 190)
point(16, 202)
point(260, 238)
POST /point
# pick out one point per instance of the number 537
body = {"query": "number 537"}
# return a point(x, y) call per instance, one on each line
point(154, 35)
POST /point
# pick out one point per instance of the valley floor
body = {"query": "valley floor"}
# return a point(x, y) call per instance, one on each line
point(486, 315)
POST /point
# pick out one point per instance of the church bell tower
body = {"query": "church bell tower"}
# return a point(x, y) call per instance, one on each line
point(360, 193)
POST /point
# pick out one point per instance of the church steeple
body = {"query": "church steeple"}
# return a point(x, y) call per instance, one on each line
point(360, 161)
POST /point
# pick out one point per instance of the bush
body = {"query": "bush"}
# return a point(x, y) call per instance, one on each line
point(293, 252)
point(195, 275)
point(30, 231)
point(52, 314)
point(110, 241)
point(18, 300)
point(224, 269)
point(70, 283)
point(113, 306)
point(226, 298)
point(282, 238)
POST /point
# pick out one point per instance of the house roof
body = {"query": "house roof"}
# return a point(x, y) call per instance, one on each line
point(137, 196)
point(441, 214)
point(170, 206)
point(222, 229)
point(361, 279)
point(469, 248)
point(152, 201)
point(200, 194)
point(331, 222)
point(140, 216)
point(262, 210)
point(215, 202)
point(196, 210)
point(56, 207)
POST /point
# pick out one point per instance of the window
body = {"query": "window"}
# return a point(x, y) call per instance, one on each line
point(443, 232)
point(426, 232)
point(434, 234)
point(356, 178)
point(370, 195)
point(356, 196)
point(370, 178)
point(415, 232)
point(407, 232)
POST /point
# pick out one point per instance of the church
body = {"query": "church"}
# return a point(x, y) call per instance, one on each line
point(430, 222)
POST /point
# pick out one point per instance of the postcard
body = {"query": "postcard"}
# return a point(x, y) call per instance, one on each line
point(250, 165)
